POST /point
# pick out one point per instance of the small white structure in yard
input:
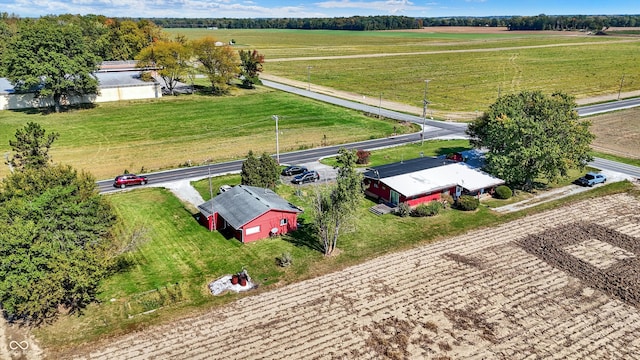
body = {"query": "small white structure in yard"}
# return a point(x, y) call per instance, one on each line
point(113, 86)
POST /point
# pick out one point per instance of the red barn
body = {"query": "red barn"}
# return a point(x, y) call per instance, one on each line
point(425, 179)
point(250, 213)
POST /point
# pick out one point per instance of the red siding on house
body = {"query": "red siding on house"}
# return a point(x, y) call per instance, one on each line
point(267, 221)
point(421, 199)
point(379, 190)
point(384, 192)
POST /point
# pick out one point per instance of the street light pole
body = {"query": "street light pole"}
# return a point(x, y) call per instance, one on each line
point(424, 111)
point(309, 77)
point(379, 107)
point(275, 117)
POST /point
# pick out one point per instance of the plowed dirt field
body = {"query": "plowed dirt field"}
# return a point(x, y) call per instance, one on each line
point(560, 284)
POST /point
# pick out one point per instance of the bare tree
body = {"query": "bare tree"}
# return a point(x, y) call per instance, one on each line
point(334, 207)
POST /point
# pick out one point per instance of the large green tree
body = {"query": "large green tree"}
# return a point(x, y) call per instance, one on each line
point(50, 57)
point(170, 57)
point(55, 242)
point(31, 147)
point(260, 172)
point(126, 38)
point(530, 135)
point(219, 62)
point(334, 206)
point(250, 67)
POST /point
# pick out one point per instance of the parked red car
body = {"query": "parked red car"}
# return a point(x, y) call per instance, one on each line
point(125, 180)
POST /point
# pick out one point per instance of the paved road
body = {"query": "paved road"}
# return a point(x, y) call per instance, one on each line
point(297, 157)
point(607, 107)
point(433, 129)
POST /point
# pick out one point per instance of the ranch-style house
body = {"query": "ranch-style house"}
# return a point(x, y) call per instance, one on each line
point(425, 179)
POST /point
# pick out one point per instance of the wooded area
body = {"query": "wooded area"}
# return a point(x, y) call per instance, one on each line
point(365, 23)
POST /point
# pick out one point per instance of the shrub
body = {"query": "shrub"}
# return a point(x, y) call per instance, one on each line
point(403, 210)
point(363, 157)
point(503, 192)
point(435, 207)
point(446, 199)
point(431, 209)
point(420, 210)
point(284, 260)
point(467, 203)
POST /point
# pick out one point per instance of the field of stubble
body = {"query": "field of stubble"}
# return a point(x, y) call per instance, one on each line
point(559, 284)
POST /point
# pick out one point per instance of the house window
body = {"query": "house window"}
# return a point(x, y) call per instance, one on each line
point(253, 230)
point(283, 222)
point(375, 185)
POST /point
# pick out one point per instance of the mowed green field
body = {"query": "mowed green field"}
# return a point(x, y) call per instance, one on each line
point(145, 136)
point(467, 71)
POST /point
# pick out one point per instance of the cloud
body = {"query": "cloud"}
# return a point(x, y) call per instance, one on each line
point(159, 8)
point(389, 6)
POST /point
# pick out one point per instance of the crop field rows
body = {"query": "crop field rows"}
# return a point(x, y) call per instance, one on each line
point(559, 284)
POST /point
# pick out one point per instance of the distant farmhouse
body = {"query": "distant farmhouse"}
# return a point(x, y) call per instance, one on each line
point(425, 179)
point(118, 80)
point(249, 213)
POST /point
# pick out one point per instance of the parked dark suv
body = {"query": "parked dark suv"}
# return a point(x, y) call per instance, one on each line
point(125, 180)
point(309, 176)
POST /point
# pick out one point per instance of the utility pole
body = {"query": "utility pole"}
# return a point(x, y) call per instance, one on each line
point(210, 226)
point(379, 107)
point(620, 90)
point(309, 77)
point(424, 110)
point(275, 117)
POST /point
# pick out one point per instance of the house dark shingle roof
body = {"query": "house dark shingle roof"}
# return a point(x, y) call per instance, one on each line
point(243, 203)
point(405, 167)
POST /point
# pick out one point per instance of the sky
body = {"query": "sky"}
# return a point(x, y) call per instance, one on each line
point(319, 8)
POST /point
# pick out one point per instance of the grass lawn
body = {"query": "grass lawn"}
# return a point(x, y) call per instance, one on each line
point(176, 257)
point(145, 136)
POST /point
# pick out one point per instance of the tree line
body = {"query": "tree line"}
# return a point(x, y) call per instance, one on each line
point(540, 22)
point(57, 55)
point(364, 23)
point(108, 38)
point(339, 23)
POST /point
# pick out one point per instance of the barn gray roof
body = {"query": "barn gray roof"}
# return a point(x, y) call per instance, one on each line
point(243, 203)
